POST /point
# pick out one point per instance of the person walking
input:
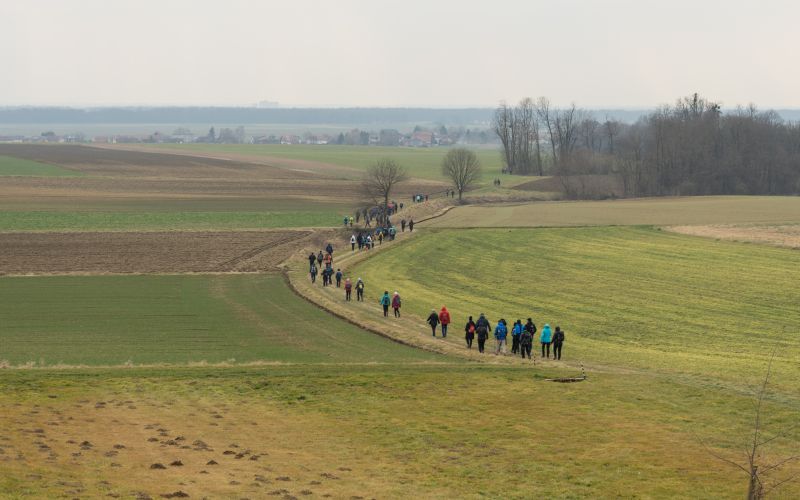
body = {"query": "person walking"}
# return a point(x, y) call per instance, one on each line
point(516, 332)
point(351, 221)
point(482, 329)
point(500, 335)
point(396, 302)
point(380, 238)
point(433, 320)
point(319, 258)
point(329, 249)
point(311, 259)
point(348, 289)
point(313, 273)
point(369, 242)
point(546, 338)
point(360, 290)
point(353, 243)
point(411, 226)
point(526, 342)
point(558, 341)
point(385, 302)
point(444, 319)
point(403, 226)
point(530, 327)
point(328, 260)
point(469, 332)
point(339, 278)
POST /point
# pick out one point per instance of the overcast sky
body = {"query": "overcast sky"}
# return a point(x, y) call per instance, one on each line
point(442, 53)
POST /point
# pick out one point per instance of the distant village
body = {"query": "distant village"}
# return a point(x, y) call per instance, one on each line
point(419, 137)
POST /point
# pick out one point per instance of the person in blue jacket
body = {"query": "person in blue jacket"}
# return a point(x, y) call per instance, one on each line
point(546, 339)
point(516, 332)
point(385, 302)
point(500, 334)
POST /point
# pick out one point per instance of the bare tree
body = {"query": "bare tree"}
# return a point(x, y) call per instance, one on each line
point(503, 126)
point(762, 473)
point(462, 167)
point(379, 181)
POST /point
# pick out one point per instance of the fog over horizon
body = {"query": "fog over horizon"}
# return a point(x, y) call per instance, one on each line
point(619, 54)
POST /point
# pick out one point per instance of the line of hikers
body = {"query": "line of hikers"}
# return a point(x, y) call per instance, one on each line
point(522, 336)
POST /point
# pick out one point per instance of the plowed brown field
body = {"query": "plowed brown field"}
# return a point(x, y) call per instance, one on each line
point(145, 252)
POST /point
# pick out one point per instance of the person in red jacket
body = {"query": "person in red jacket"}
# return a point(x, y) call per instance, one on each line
point(444, 319)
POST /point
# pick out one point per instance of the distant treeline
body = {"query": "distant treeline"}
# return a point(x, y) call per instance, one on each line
point(689, 148)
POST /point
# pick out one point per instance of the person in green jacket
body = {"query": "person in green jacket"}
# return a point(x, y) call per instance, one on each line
point(385, 302)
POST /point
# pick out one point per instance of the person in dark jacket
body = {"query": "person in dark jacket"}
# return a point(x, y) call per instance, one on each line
point(360, 290)
point(313, 273)
point(482, 329)
point(530, 327)
point(348, 289)
point(469, 332)
point(338, 278)
point(403, 226)
point(411, 225)
point(319, 258)
point(311, 259)
point(516, 332)
point(329, 249)
point(558, 341)
point(396, 302)
point(433, 320)
point(526, 343)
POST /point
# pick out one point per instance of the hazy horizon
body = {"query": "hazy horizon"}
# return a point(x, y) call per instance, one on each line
point(616, 55)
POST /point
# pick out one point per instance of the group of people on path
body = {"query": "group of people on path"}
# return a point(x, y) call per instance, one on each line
point(522, 337)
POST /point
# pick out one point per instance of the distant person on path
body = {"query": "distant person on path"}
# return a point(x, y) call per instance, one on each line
point(530, 327)
point(360, 290)
point(526, 342)
point(500, 335)
point(311, 259)
point(353, 243)
point(319, 258)
point(411, 226)
point(482, 328)
point(380, 238)
point(403, 226)
point(313, 273)
point(444, 319)
point(348, 289)
point(385, 302)
point(469, 332)
point(546, 338)
point(396, 304)
point(369, 242)
point(339, 278)
point(351, 221)
point(433, 320)
point(516, 332)
point(401, 205)
point(558, 341)
point(345, 220)
point(329, 249)
point(328, 259)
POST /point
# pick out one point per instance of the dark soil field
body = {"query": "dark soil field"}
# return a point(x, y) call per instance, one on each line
point(145, 252)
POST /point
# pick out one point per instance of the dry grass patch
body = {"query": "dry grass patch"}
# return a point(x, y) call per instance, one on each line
point(787, 235)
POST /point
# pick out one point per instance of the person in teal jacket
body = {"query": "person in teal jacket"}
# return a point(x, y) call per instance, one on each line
point(546, 339)
point(500, 334)
point(385, 302)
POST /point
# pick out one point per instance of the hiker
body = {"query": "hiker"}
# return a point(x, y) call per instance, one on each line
point(516, 332)
point(338, 278)
point(530, 327)
point(396, 304)
point(526, 341)
point(380, 238)
point(328, 259)
point(444, 319)
point(353, 243)
point(482, 328)
point(500, 334)
point(351, 221)
point(360, 290)
point(546, 338)
point(313, 273)
point(345, 221)
point(558, 341)
point(469, 332)
point(370, 244)
point(411, 226)
point(329, 249)
point(403, 226)
point(392, 233)
point(348, 289)
point(433, 320)
point(385, 302)
point(311, 259)
point(401, 205)
point(319, 258)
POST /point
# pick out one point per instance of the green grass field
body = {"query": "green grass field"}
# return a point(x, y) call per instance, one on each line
point(424, 163)
point(18, 166)
point(111, 320)
point(151, 221)
point(629, 297)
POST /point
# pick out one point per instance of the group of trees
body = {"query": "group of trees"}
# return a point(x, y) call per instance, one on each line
point(689, 148)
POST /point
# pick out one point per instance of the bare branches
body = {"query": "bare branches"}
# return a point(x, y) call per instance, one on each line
point(462, 167)
point(380, 179)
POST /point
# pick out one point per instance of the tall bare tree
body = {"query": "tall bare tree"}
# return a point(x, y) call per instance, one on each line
point(379, 181)
point(462, 167)
point(503, 126)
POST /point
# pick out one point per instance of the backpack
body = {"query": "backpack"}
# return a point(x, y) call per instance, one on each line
point(471, 328)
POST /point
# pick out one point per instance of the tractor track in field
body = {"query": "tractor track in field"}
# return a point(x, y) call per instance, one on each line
point(250, 254)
